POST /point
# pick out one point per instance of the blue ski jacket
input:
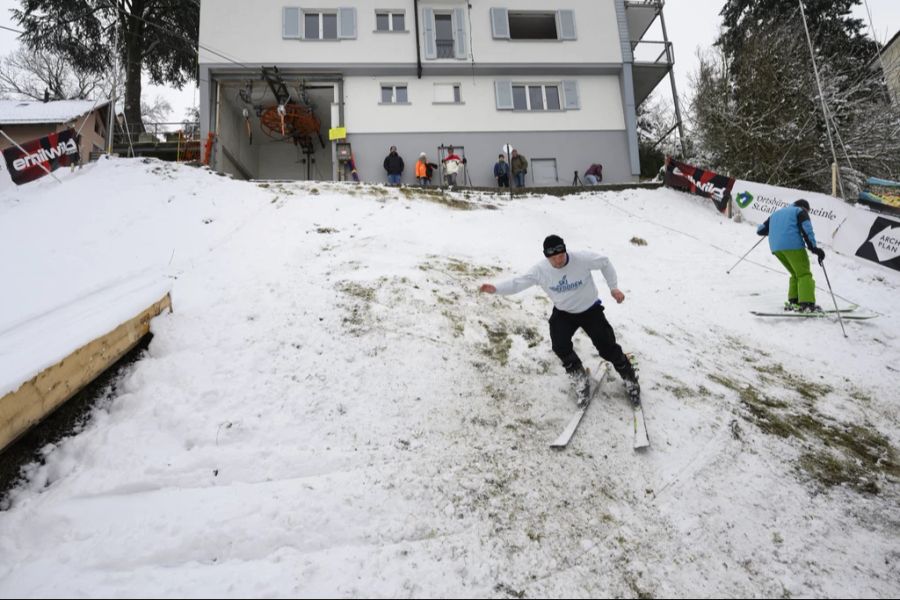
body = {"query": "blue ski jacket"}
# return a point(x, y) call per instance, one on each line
point(788, 228)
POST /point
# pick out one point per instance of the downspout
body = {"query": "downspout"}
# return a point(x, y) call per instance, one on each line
point(627, 82)
point(418, 43)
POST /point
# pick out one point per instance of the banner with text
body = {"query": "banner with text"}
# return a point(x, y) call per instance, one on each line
point(53, 151)
point(695, 180)
point(757, 201)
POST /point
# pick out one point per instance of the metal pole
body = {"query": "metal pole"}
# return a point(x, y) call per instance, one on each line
point(671, 58)
point(812, 56)
point(836, 310)
point(728, 272)
point(112, 94)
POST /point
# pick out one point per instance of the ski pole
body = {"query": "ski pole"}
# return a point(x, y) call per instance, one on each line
point(728, 272)
point(840, 319)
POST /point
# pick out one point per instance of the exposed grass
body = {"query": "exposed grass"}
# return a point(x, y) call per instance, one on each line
point(832, 453)
point(498, 345)
point(529, 334)
point(438, 196)
point(809, 390)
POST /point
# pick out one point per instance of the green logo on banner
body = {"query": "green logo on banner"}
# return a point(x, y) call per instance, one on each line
point(744, 199)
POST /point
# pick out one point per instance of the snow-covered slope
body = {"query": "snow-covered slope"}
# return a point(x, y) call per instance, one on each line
point(333, 409)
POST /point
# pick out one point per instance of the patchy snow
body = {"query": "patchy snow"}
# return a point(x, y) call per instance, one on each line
point(333, 409)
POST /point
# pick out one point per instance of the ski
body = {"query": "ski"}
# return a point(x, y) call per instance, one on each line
point(641, 439)
point(566, 436)
point(816, 315)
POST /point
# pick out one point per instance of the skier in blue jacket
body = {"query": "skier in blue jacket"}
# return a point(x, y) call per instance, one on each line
point(790, 232)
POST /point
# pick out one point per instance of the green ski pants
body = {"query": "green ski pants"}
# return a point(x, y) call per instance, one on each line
point(802, 287)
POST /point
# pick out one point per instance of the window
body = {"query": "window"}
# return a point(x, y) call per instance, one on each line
point(338, 24)
point(447, 93)
point(532, 26)
point(535, 97)
point(390, 21)
point(443, 35)
point(562, 95)
point(320, 26)
point(394, 94)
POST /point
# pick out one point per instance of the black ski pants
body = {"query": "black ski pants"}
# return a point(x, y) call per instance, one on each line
point(563, 326)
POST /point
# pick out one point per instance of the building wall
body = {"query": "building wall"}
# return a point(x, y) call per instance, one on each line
point(596, 132)
point(891, 60)
point(223, 29)
point(478, 111)
point(572, 151)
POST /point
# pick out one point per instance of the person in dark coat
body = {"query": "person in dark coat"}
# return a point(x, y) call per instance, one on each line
point(393, 164)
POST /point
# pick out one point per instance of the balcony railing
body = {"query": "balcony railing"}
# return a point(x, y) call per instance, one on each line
point(654, 52)
point(180, 141)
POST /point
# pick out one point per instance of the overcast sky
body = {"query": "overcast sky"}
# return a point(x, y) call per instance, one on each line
point(691, 24)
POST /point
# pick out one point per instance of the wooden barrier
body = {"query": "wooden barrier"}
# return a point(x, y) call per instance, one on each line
point(35, 399)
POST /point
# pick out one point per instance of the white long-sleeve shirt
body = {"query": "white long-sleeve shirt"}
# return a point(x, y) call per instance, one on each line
point(571, 288)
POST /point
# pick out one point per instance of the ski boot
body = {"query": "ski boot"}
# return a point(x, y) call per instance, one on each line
point(792, 305)
point(582, 389)
point(634, 391)
point(810, 307)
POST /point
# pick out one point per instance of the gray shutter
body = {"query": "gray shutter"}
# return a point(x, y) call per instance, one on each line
point(290, 23)
point(428, 30)
point(461, 47)
point(565, 20)
point(570, 92)
point(347, 23)
point(500, 23)
point(504, 92)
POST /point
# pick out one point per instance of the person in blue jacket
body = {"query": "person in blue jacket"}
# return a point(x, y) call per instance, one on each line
point(790, 233)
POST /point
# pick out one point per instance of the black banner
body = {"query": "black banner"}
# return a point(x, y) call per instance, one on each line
point(695, 180)
point(883, 243)
point(53, 151)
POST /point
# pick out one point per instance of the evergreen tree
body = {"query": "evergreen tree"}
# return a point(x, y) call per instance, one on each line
point(837, 35)
point(156, 36)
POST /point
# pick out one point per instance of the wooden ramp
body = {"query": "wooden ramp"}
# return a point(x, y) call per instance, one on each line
point(35, 399)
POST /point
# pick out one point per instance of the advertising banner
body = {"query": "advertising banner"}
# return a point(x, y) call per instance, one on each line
point(757, 201)
point(695, 180)
point(53, 151)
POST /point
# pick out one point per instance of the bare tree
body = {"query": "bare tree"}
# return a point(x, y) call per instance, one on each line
point(759, 115)
point(155, 112)
point(29, 73)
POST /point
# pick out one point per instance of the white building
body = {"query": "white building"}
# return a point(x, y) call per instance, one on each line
point(559, 84)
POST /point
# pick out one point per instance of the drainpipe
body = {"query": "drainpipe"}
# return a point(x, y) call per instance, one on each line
point(418, 46)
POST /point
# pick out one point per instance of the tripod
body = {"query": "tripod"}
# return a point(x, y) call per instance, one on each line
point(577, 180)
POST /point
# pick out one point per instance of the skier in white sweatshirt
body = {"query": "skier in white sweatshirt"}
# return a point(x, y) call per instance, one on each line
point(567, 280)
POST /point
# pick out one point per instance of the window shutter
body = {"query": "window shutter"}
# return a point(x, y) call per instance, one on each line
point(504, 92)
point(430, 41)
point(570, 91)
point(347, 23)
point(290, 23)
point(565, 19)
point(500, 23)
point(461, 47)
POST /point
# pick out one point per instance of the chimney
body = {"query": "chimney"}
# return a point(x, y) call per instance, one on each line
point(46, 96)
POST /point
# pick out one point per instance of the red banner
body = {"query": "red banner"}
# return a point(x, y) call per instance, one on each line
point(53, 151)
point(695, 180)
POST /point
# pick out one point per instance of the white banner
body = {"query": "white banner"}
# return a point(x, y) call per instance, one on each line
point(872, 236)
point(757, 201)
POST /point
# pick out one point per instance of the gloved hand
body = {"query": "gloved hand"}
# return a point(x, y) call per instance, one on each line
point(820, 253)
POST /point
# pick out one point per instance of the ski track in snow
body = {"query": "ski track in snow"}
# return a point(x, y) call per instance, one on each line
point(333, 409)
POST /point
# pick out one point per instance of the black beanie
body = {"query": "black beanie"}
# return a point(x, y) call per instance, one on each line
point(802, 204)
point(552, 244)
